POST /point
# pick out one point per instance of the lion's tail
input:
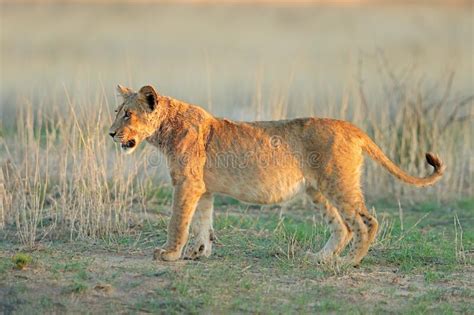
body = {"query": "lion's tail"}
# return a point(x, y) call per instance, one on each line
point(377, 154)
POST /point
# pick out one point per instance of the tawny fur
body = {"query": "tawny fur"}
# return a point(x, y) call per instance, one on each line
point(263, 162)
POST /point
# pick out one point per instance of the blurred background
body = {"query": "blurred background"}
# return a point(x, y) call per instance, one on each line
point(229, 57)
point(400, 70)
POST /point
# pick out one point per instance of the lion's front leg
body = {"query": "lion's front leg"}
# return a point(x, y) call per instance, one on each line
point(202, 229)
point(185, 198)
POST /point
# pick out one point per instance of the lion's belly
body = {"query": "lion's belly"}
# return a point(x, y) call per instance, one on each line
point(259, 186)
point(255, 163)
point(277, 193)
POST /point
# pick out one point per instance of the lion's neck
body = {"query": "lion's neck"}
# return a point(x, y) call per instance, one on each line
point(174, 121)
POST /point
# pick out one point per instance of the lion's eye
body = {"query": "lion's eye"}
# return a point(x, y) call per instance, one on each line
point(127, 114)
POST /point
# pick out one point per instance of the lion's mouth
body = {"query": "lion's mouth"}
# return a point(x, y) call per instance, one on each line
point(129, 144)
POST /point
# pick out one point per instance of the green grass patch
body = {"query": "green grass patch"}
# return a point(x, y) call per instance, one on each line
point(6, 265)
point(21, 260)
point(77, 286)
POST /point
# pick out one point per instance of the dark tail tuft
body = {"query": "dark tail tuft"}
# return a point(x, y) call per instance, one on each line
point(436, 162)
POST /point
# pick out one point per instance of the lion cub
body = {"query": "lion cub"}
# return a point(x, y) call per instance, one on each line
point(263, 162)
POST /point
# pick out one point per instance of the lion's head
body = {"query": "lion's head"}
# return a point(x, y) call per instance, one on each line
point(134, 119)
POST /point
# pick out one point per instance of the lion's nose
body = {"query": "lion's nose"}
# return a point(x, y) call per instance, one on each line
point(112, 134)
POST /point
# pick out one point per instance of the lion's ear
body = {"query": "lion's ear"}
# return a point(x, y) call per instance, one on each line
point(124, 91)
point(150, 95)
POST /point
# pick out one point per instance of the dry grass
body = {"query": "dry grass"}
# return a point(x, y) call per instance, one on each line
point(62, 176)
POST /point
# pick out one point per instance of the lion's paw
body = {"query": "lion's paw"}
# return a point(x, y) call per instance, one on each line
point(201, 248)
point(166, 255)
point(349, 261)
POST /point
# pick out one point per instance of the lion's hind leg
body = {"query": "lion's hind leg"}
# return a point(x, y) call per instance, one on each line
point(340, 232)
point(371, 223)
point(361, 223)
